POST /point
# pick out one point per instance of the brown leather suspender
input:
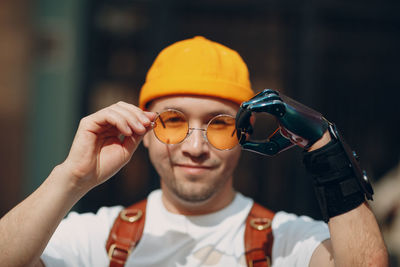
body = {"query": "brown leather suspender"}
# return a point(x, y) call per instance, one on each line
point(126, 233)
point(128, 229)
point(258, 238)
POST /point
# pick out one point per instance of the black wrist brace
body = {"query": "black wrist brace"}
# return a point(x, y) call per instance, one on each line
point(336, 178)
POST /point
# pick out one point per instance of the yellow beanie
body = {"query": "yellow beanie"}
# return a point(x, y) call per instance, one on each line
point(197, 66)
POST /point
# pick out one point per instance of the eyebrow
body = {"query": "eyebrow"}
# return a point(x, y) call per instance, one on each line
point(219, 112)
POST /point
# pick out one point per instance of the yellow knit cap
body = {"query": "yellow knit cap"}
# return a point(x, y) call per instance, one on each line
point(197, 66)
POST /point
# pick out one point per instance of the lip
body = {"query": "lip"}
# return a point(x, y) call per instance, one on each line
point(194, 169)
point(193, 166)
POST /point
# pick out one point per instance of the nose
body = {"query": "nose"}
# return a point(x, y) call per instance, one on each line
point(195, 144)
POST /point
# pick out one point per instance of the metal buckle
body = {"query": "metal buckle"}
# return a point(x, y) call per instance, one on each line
point(260, 223)
point(267, 259)
point(113, 247)
point(131, 215)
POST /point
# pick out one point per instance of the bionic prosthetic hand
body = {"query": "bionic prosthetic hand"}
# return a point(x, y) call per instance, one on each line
point(339, 182)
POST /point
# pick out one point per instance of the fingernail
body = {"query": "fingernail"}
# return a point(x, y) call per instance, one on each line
point(145, 119)
point(139, 126)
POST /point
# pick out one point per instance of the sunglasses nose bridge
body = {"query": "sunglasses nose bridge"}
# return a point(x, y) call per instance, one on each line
point(203, 132)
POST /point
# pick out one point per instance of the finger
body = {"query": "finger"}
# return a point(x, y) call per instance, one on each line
point(102, 121)
point(151, 115)
point(144, 116)
point(130, 143)
point(135, 118)
point(276, 107)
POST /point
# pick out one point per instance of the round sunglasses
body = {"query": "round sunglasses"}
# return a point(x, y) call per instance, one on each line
point(172, 127)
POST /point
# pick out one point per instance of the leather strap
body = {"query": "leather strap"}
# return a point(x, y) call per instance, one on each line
point(258, 238)
point(125, 235)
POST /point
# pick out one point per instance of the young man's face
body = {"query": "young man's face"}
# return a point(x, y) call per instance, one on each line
point(193, 170)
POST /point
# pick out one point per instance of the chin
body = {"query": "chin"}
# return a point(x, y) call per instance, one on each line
point(193, 192)
point(195, 196)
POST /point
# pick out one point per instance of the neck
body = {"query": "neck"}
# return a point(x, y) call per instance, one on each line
point(215, 203)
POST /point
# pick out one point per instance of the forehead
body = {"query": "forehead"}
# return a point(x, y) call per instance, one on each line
point(195, 105)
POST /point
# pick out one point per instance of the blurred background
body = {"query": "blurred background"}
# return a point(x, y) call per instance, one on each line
point(61, 60)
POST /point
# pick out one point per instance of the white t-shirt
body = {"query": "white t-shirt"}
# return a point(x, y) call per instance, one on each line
point(175, 240)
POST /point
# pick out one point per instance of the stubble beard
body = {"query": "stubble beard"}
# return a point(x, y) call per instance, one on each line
point(193, 191)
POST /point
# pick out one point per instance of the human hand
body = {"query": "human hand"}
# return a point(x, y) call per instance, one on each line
point(298, 124)
point(104, 142)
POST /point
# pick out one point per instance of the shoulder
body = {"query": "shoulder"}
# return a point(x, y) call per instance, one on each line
point(296, 238)
point(105, 216)
point(284, 222)
point(80, 239)
point(87, 224)
point(292, 227)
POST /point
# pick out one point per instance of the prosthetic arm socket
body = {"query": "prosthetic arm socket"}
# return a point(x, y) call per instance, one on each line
point(340, 185)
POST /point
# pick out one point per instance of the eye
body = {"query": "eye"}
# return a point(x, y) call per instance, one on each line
point(172, 119)
point(222, 121)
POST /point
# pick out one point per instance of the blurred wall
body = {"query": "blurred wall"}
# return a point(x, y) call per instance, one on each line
point(15, 62)
point(40, 91)
point(55, 97)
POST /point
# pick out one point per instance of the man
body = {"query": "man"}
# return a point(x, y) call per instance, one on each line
point(197, 218)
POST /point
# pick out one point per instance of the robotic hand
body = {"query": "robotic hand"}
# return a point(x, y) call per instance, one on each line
point(298, 124)
point(339, 182)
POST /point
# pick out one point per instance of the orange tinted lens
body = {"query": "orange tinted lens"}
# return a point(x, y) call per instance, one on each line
point(221, 132)
point(171, 127)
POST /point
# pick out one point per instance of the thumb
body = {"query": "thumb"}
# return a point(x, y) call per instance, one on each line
point(130, 144)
